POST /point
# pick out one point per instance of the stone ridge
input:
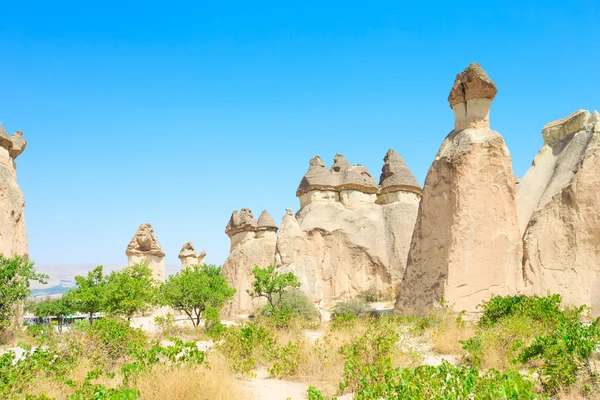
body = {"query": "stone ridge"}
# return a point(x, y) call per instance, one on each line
point(472, 83)
point(266, 222)
point(242, 221)
point(559, 129)
point(15, 144)
point(144, 242)
point(396, 176)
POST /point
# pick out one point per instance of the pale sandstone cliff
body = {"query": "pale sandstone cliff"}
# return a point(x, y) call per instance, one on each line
point(466, 245)
point(559, 203)
point(13, 237)
point(144, 248)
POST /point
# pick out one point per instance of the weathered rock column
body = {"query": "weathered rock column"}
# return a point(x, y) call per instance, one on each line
point(399, 197)
point(559, 202)
point(252, 244)
point(13, 236)
point(466, 245)
point(188, 256)
point(144, 248)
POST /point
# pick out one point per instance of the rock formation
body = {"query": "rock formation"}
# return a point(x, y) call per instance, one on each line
point(252, 244)
point(13, 237)
point(558, 201)
point(188, 256)
point(466, 245)
point(144, 248)
point(350, 233)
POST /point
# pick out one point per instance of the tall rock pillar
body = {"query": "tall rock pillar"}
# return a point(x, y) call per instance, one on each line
point(144, 248)
point(13, 237)
point(252, 244)
point(466, 245)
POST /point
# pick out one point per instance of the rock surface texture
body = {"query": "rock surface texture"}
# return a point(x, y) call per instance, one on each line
point(13, 237)
point(252, 244)
point(144, 248)
point(188, 256)
point(559, 211)
point(466, 244)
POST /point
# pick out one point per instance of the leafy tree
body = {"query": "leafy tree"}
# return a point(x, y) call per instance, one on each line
point(196, 289)
point(15, 276)
point(130, 291)
point(53, 308)
point(88, 297)
point(271, 284)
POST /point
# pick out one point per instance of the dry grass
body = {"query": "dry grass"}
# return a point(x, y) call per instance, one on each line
point(446, 339)
point(214, 382)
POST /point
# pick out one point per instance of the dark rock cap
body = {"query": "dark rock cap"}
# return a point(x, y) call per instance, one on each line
point(266, 222)
point(396, 176)
point(472, 83)
point(242, 221)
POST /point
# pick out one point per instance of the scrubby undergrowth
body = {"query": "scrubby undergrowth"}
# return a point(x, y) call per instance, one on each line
point(521, 348)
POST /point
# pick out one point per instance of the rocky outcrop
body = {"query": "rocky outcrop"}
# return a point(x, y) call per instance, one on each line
point(350, 233)
point(144, 248)
point(466, 244)
point(252, 244)
point(13, 237)
point(188, 256)
point(558, 204)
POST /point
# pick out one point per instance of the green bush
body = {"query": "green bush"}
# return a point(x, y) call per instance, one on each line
point(350, 309)
point(291, 305)
point(244, 345)
point(371, 295)
point(115, 338)
point(565, 354)
point(545, 310)
point(444, 382)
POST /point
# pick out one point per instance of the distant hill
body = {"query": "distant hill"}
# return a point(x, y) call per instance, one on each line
point(53, 291)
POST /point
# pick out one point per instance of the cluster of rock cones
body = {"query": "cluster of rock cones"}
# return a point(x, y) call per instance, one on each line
point(472, 231)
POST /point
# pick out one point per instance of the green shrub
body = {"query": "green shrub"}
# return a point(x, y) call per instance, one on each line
point(244, 345)
point(444, 382)
point(565, 354)
point(349, 309)
point(115, 338)
point(291, 305)
point(371, 295)
point(546, 310)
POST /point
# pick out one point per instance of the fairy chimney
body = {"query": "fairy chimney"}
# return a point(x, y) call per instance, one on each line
point(145, 248)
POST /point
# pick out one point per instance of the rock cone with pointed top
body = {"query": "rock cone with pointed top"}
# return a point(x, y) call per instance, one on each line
point(145, 248)
point(13, 235)
point(188, 256)
point(466, 244)
point(558, 201)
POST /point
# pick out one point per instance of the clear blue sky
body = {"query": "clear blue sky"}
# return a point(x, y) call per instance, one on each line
point(177, 114)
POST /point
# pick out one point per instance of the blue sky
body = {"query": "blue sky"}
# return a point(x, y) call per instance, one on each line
point(177, 114)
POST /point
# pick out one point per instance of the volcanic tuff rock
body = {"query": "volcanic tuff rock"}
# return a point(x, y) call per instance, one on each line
point(144, 248)
point(466, 244)
point(188, 256)
point(252, 244)
point(558, 205)
point(13, 236)
point(349, 234)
